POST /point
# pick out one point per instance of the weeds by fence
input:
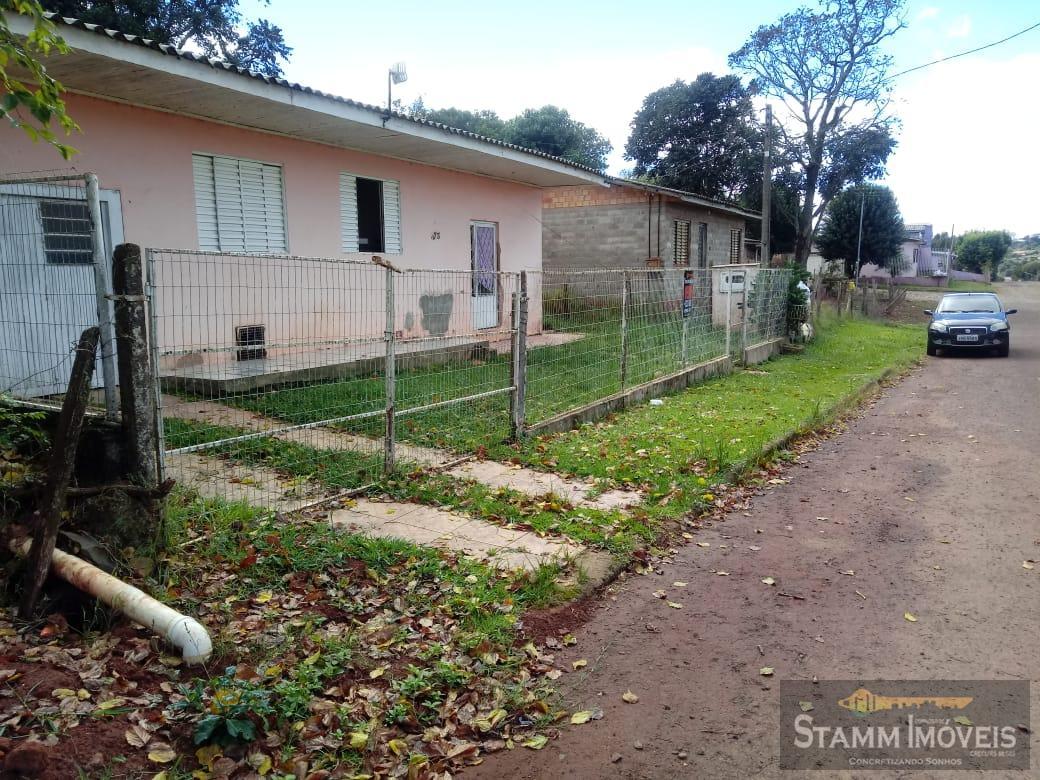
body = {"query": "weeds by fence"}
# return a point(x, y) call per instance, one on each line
point(285, 380)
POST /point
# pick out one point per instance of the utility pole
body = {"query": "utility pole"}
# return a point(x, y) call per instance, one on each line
point(859, 240)
point(767, 189)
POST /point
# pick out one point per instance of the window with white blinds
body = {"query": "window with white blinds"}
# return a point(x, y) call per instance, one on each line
point(370, 214)
point(239, 205)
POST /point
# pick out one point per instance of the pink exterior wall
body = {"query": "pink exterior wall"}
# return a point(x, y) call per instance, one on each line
point(146, 156)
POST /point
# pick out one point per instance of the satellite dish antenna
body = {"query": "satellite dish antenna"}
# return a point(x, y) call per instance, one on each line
point(398, 74)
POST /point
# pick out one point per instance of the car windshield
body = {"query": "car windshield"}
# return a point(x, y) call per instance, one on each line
point(963, 304)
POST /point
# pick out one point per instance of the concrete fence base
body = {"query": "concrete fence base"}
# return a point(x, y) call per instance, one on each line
point(597, 410)
point(761, 352)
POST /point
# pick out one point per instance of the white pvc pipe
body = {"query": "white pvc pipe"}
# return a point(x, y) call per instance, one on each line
point(185, 633)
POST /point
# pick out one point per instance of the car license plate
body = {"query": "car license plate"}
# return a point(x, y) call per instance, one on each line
point(967, 337)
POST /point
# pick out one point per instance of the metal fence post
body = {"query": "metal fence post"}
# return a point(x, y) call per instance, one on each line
point(102, 289)
point(624, 328)
point(153, 341)
point(743, 319)
point(518, 367)
point(729, 311)
point(391, 375)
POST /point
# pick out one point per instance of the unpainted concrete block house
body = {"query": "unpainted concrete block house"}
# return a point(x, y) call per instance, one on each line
point(629, 224)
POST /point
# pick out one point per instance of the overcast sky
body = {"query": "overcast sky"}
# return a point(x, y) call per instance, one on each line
point(967, 151)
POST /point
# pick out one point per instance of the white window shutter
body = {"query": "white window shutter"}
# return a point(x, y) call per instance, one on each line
point(348, 216)
point(391, 217)
point(205, 203)
point(239, 205)
point(263, 220)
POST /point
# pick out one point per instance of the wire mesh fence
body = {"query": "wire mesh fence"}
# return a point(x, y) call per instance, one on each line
point(609, 330)
point(55, 241)
point(285, 380)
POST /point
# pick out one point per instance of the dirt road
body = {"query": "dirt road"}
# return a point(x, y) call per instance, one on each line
point(931, 497)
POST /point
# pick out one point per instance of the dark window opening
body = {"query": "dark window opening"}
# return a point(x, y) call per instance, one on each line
point(702, 245)
point(682, 242)
point(370, 215)
point(67, 238)
point(250, 340)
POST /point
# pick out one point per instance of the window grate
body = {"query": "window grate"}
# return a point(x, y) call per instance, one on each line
point(250, 339)
point(67, 236)
point(681, 250)
point(735, 240)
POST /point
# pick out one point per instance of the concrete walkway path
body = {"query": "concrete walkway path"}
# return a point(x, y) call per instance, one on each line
point(488, 472)
point(501, 546)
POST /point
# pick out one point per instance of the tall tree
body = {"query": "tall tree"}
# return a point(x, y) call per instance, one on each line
point(482, 122)
point(547, 129)
point(883, 231)
point(32, 102)
point(554, 131)
point(699, 136)
point(828, 69)
point(214, 27)
point(982, 251)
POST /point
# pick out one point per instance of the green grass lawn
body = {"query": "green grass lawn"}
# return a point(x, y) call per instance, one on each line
point(956, 285)
point(676, 453)
point(559, 378)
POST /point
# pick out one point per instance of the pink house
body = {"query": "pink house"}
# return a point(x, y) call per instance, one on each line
point(193, 154)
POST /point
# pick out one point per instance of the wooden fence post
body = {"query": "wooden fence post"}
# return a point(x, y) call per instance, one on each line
point(137, 376)
point(59, 470)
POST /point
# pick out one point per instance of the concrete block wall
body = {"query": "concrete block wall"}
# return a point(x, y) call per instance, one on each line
point(617, 227)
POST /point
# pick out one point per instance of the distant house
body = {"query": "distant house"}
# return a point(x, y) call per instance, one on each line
point(919, 261)
point(629, 224)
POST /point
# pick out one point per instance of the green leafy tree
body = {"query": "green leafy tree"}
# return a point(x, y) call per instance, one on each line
point(483, 122)
point(554, 131)
point(699, 136)
point(32, 101)
point(982, 251)
point(547, 129)
point(828, 68)
point(216, 28)
point(941, 242)
point(883, 230)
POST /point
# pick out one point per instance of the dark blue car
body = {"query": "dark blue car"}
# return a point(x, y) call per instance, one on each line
point(970, 321)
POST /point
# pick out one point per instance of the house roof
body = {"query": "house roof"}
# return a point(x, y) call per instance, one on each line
point(110, 64)
point(688, 197)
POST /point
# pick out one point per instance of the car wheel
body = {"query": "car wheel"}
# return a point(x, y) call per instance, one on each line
point(1004, 350)
point(931, 350)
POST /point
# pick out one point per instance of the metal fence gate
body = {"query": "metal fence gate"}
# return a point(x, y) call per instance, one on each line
point(56, 239)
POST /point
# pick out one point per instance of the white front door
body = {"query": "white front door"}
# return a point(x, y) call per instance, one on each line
point(484, 254)
point(47, 294)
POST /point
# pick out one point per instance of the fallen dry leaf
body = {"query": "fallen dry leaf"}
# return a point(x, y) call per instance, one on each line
point(581, 663)
point(766, 671)
point(161, 753)
point(768, 581)
point(910, 617)
point(674, 605)
point(630, 697)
